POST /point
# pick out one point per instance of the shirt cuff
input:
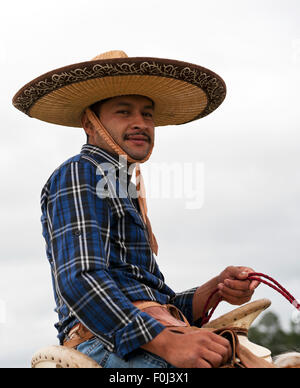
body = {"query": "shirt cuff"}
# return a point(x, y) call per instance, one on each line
point(140, 331)
point(184, 302)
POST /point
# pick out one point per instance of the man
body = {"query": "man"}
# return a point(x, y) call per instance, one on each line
point(108, 287)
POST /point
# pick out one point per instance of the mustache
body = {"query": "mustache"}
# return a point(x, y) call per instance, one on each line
point(140, 133)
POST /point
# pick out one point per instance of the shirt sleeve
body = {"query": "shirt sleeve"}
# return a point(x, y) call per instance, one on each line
point(79, 226)
point(184, 302)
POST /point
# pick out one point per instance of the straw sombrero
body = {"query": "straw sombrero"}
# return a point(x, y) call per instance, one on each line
point(182, 92)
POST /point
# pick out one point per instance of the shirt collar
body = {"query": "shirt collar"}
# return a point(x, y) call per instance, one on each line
point(100, 155)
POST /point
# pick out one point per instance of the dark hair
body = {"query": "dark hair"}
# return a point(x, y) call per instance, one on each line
point(97, 106)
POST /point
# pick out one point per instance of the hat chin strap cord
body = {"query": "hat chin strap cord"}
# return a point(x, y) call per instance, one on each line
point(140, 187)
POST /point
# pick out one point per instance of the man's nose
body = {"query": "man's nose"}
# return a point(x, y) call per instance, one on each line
point(139, 122)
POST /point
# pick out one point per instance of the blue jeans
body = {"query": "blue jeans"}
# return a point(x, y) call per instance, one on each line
point(138, 359)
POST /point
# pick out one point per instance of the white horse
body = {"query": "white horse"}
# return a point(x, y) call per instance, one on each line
point(240, 318)
point(287, 360)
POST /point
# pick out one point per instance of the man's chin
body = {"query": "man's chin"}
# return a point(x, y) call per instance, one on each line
point(138, 154)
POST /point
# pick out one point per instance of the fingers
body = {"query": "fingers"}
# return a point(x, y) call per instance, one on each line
point(200, 348)
point(237, 272)
point(234, 296)
point(204, 364)
point(222, 349)
point(244, 275)
point(218, 350)
point(254, 284)
point(213, 359)
point(235, 279)
point(242, 285)
point(215, 338)
point(241, 272)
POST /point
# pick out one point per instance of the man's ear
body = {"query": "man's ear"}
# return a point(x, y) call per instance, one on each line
point(87, 125)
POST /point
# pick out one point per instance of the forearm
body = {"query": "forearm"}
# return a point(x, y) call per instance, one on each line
point(201, 296)
point(159, 345)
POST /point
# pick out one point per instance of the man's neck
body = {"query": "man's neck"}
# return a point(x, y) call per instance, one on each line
point(120, 158)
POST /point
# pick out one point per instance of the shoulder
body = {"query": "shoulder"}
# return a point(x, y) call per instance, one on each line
point(75, 170)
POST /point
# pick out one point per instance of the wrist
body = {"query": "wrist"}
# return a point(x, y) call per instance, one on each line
point(201, 297)
point(159, 344)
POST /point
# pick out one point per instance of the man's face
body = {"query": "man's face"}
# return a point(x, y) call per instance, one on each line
point(129, 120)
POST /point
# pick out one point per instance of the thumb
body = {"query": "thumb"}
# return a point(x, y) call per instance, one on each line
point(242, 275)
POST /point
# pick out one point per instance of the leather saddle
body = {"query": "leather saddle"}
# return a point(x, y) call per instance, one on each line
point(234, 326)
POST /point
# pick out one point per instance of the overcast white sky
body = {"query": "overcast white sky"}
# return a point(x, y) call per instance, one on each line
point(249, 148)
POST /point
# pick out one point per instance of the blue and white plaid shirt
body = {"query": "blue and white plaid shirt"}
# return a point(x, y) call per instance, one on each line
point(100, 256)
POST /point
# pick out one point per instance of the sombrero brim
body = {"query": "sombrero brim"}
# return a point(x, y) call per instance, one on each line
point(182, 92)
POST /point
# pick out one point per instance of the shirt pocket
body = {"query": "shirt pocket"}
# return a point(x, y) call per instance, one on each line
point(124, 208)
point(136, 218)
point(127, 227)
point(133, 219)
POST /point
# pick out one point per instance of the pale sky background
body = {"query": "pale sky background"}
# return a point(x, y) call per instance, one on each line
point(249, 148)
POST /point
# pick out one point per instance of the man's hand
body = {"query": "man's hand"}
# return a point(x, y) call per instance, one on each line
point(234, 287)
point(190, 348)
point(201, 348)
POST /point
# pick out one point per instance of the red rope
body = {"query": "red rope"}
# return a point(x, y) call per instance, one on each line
point(206, 318)
point(251, 276)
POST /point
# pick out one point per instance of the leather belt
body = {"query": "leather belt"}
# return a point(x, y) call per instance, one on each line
point(168, 315)
point(77, 335)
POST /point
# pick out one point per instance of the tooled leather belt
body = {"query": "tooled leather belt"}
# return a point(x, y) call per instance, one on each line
point(167, 314)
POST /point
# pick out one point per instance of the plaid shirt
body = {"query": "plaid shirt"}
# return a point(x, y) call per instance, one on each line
point(100, 255)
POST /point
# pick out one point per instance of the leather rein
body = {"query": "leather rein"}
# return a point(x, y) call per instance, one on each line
point(252, 276)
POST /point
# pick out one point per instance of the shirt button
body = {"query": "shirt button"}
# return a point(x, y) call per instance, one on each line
point(77, 232)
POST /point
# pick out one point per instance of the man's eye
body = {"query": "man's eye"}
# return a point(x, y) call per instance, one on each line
point(147, 114)
point(125, 112)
